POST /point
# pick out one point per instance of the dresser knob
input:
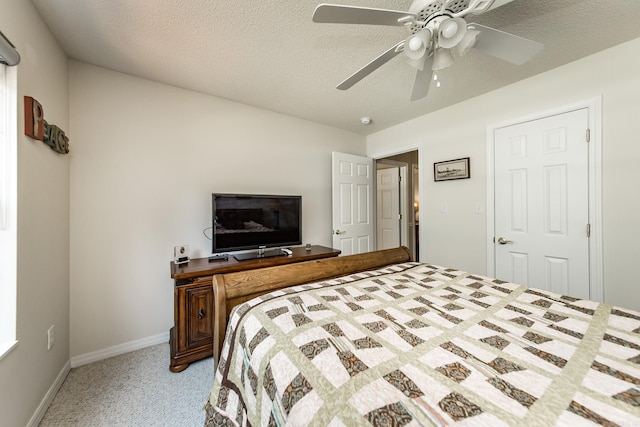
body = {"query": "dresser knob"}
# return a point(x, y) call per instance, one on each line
point(201, 313)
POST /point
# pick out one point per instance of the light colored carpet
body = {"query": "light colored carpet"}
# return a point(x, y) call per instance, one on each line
point(134, 389)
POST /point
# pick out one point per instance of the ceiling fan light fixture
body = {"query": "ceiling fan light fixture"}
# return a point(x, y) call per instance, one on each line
point(442, 59)
point(451, 31)
point(467, 41)
point(449, 28)
point(418, 6)
point(416, 45)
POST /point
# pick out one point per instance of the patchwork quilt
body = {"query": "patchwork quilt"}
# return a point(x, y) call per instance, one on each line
point(421, 345)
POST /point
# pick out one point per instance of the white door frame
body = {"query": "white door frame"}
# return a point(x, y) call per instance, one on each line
point(418, 147)
point(404, 203)
point(403, 169)
point(594, 107)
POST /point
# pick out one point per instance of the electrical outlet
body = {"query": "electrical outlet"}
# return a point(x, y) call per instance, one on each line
point(50, 337)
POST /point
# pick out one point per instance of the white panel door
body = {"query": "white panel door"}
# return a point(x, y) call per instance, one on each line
point(542, 203)
point(352, 203)
point(388, 208)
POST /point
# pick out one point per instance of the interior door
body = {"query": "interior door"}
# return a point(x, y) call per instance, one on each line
point(352, 203)
point(541, 203)
point(388, 207)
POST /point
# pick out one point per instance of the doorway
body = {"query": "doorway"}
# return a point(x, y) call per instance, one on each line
point(397, 202)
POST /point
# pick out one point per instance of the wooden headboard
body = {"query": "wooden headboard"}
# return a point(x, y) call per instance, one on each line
point(232, 289)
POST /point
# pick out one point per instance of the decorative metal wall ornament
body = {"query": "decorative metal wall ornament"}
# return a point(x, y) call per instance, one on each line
point(36, 127)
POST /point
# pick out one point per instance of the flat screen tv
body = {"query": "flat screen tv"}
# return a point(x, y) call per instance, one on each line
point(255, 221)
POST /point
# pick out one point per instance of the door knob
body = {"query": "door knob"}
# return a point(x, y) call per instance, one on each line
point(504, 241)
point(339, 231)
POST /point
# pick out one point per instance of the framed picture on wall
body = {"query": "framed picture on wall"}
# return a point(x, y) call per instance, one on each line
point(452, 169)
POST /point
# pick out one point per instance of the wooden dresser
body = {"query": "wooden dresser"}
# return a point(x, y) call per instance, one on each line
point(191, 338)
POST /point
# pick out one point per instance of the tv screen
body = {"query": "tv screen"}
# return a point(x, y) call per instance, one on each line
point(252, 221)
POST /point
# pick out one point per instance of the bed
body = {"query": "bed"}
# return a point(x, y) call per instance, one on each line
point(376, 339)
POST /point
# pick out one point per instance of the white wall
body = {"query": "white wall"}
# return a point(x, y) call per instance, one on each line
point(458, 238)
point(146, 158)
point(28, 372)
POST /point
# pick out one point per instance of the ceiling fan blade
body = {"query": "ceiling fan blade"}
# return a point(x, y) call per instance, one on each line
point(508, 47)
point(498, 3)
point(340, 14)
point(422, 82)
point(476, 7)
point(371, 66)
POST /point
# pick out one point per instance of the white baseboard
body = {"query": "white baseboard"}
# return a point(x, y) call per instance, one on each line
point(84, 359)
point(119, 349)
point(48, 398)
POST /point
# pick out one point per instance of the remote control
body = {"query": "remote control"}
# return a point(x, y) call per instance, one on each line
point(286, 251)
point(222, 257)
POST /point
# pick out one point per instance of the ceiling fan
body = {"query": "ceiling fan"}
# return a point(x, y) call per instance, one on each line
point(438, 28)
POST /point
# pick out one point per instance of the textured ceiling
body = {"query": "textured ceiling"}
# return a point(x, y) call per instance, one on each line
point(270, 54)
